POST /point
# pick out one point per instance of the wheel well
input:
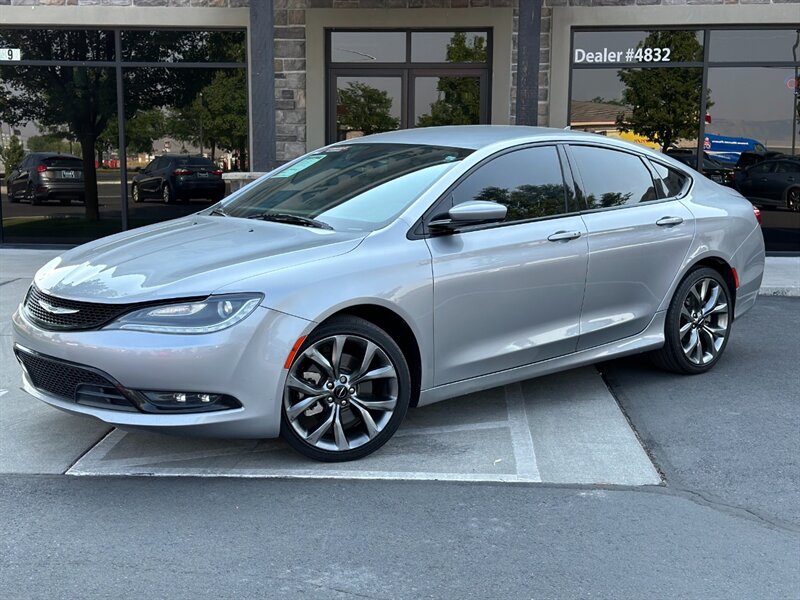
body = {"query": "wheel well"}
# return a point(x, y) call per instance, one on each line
point(394, 325)
point(726, 271)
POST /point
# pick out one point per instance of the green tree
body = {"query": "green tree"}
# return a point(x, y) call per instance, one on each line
point(459, 101)
point(664, 103)
point(12, 154)
point(364, 108)
point(52, 142)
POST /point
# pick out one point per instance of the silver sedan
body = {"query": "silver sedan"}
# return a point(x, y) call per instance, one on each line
point(394, 270)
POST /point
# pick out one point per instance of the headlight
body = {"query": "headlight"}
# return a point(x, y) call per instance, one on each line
point(205, 316)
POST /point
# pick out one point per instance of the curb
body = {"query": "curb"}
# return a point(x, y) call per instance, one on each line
point(773, 290)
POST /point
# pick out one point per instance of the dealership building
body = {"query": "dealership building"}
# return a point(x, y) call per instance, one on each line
point(250, 85)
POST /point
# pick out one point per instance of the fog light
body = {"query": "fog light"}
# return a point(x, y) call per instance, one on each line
point(188, 401)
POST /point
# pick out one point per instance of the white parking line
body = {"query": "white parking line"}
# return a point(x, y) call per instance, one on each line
point(521, 439)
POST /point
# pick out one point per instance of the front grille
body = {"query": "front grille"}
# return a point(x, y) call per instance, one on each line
point(71, 382)
point(89, 315)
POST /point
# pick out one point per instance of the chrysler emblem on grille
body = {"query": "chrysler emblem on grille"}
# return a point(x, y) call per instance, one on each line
point(57, 310)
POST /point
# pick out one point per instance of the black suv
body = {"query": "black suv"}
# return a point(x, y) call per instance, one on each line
point(178, 177)
point(44, 176)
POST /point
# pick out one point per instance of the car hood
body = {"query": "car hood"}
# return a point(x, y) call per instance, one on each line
point(192, 256)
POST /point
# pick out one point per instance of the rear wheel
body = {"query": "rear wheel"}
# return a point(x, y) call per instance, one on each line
point(31, 194)
point(698, 324)
point(793, 199)
point(346, 392)
point(11, 197)
point(166, 194)
point(135, 194)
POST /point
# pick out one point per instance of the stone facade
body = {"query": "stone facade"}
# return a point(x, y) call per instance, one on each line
point(290, 45)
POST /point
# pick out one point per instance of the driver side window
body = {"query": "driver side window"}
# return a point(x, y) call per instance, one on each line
point(528, 182)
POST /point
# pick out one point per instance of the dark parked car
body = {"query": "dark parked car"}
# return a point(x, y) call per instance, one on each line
point(712, 169)
point(45, 176)
point(748, 159)
point(178, 177)
point(772, 183)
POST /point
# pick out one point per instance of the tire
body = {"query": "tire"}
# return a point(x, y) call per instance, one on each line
point(698, 324)
point(329, 411)
point(32, 196)
point(166, 194)
point(135, 194)
point(793, 199)
point(11, 197)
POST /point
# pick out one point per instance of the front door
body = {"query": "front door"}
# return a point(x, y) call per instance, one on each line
point(509, 294)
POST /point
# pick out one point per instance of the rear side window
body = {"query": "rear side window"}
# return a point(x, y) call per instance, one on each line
point(671, 181)
point(612, 178)
point(62, 161)
point(529, 182)
point(764, 167)
point(788, 167)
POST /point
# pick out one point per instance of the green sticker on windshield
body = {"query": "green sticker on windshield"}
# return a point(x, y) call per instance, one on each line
point(300, 166)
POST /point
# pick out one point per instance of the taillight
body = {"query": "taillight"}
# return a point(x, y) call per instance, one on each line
point(41, 168)
point(182, 172)
point(758, 214)
point(216, 172)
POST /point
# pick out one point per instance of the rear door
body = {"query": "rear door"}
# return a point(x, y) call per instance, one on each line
point(150, 182)
point(757, 184)
point(637, 241)
point(509, 294)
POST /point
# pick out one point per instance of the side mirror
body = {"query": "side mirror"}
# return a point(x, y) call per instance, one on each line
point(138, 169)
point(473, 212)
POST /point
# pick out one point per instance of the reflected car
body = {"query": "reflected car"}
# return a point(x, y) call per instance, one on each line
point(772, 183)
point(178, 177)
point(748, 159)
point(392, 271)
point(43, 176)
point(712, 169)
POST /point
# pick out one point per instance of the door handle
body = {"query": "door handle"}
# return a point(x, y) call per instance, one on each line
point(664, 221)
point(565, 236)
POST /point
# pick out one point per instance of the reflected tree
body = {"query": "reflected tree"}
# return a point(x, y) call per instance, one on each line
point(361, 107)
point(459, 101)
point(12, 153)
point(665, 103)
point(527, 201)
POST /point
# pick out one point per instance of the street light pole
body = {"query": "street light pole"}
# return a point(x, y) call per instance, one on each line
point(201, 123)
point(796, 94)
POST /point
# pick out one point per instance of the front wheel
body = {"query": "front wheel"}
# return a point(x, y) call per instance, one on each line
point(11, 197)
point(346, 392)
point(698, 324)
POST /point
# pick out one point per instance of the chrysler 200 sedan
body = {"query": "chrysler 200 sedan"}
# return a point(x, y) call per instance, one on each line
point(394, 270)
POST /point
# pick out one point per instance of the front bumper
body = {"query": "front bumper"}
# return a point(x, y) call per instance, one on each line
point(244, 361)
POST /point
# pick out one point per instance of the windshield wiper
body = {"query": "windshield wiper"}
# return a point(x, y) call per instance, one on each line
point(220, 212)
point(291, 219)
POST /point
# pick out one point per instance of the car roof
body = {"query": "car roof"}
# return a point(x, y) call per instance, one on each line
point(473, 136)
point(182, 156)
point(52, 154)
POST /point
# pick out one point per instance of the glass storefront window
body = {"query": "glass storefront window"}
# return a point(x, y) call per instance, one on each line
point(183, 46)
point(368, 46)
point(366, 105)
point(754, 45)
point(449, 100)
point(58, 186)
point(652, 47)
point(449, 46)
point(60, 44)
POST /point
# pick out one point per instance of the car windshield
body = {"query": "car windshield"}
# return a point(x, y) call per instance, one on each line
point(62, 161)
point(359, 187)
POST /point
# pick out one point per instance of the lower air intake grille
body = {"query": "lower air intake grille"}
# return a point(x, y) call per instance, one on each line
point(71, 382)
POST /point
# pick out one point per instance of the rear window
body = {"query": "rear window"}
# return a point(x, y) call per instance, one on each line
point(194, 161)
point(63, 162)
point(672, 182)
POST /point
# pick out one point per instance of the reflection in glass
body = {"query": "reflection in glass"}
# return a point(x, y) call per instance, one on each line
point(753, 45)
point(47, 197)
point(183, 46)
point(184, 128)
point(452, 100)
point(448, 46)
point(682, 44)
point(755, 114)
point(368, 46)
point(657, 108)
point(60, 44)
point(367, 105)
point(612, 178)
